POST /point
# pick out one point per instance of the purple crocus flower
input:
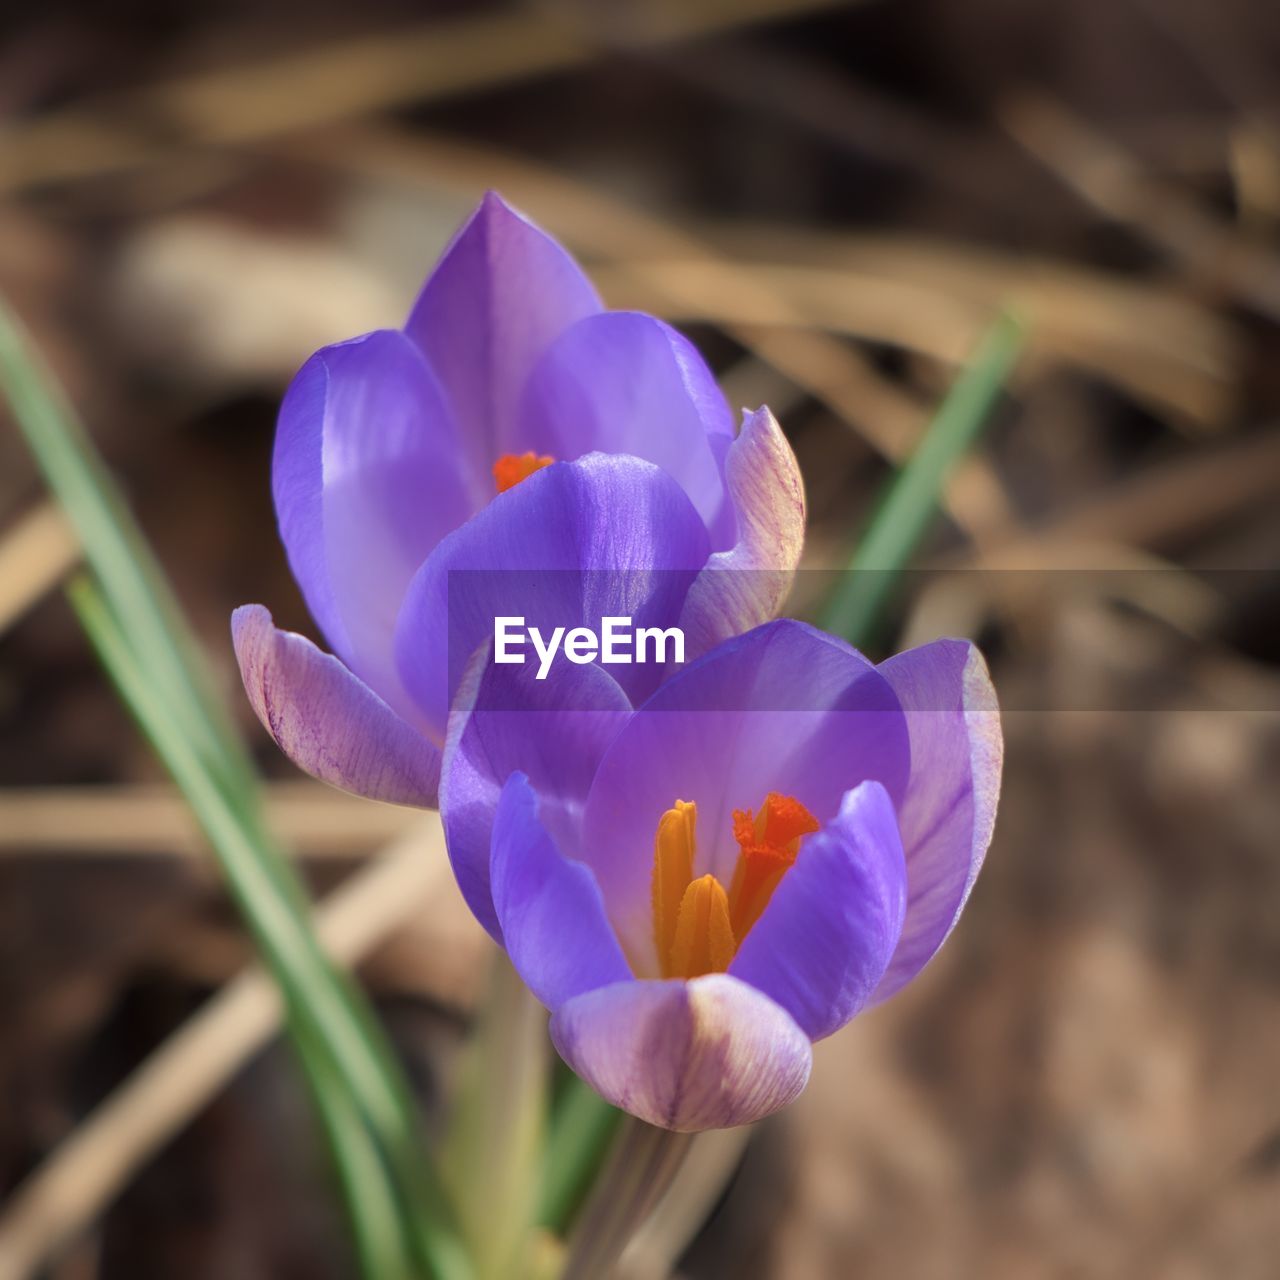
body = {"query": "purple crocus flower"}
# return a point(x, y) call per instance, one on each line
point(514, 424)
point(701, 887)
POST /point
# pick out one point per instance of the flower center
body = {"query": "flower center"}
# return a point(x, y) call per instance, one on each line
point(511, 468)
point(697, 925)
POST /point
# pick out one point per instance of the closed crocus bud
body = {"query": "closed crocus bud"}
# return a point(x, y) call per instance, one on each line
point(512, 424)
point(781, 835)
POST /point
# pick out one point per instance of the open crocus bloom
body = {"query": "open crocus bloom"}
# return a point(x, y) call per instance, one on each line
point(699, 888)
point(514, 424)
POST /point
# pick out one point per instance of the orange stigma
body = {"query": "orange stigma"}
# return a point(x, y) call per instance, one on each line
point(511, 468)
point(769, 842)
point(697, 926)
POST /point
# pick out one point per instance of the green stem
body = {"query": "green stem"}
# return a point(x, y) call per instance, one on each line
point(492, 1157)
point(581, 1128)
point(641, 1166)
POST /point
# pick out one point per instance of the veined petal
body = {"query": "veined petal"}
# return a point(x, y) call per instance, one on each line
point(501, 293)
point(783, 708)
point(827, 935)
point(746, 585)
point(366, 481)
point(949, 810)
point(504, 720)
point(623, 382)
point(326, 720)
point(706, 1054)
point(549, 906)
point(605, 536)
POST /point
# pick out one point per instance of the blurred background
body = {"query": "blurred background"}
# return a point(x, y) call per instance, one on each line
point(832, 200)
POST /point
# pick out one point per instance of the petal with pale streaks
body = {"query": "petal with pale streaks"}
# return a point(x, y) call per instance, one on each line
point(710, 1053)
point(746, 585)
point(329, 723)
point(948, 813)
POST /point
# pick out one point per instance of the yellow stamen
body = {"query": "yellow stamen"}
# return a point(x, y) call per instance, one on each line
point(697, 926)
point(511, 468)
point(672, 870)
point(704, 938)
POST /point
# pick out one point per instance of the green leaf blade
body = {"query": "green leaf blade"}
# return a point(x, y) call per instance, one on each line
point(911, 500)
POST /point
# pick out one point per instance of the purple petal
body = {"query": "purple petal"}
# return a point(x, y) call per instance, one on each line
point(502, 292)
point(607, 535)
point(784, 708)
point(746, 585)
point(552, 915)
point(949, 810)
point(623, 382)
point(366, 482)
point(707, 1054)
point(326, 721)
point(826, 937)
point(504, 720)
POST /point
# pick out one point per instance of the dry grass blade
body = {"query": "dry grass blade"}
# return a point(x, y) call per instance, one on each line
point(76, 1182)
point(1032, 586)
point(313, 821)
point(1106, 176)
point(36, 554)
point(836, 106)
point(1148, 317)
point(1157, 507)
point(1255, 170)
point(1162, 351)
point(341, 80)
